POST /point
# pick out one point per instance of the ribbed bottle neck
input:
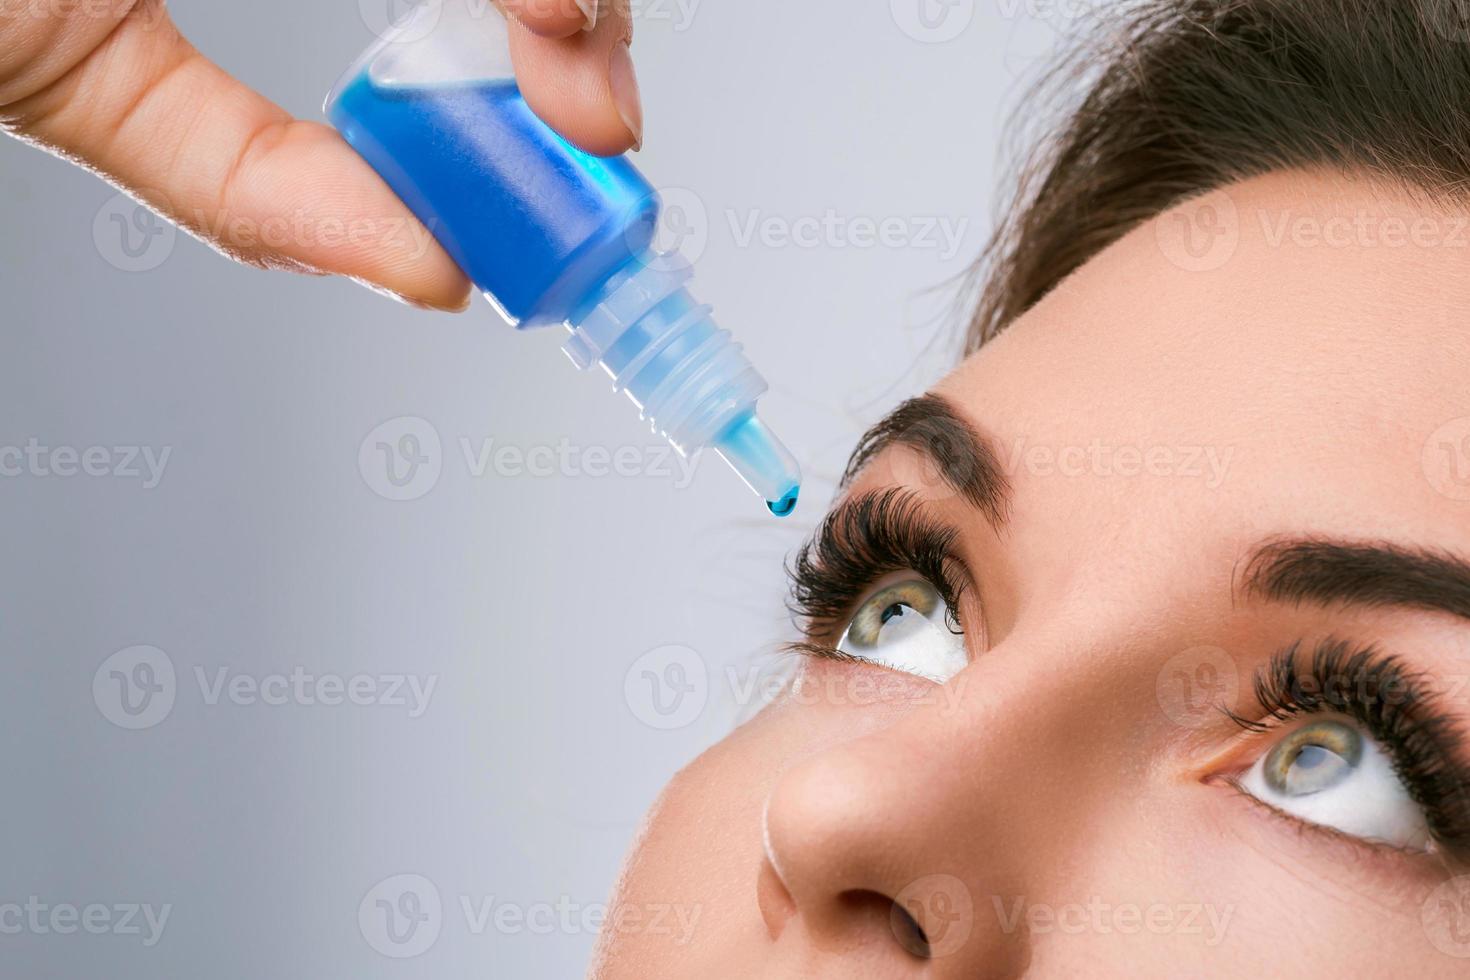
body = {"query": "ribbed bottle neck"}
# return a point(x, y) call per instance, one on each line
point(690, 379)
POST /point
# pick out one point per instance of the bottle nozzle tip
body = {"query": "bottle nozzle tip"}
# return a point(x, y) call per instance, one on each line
point(787, 503)
point(765, 465)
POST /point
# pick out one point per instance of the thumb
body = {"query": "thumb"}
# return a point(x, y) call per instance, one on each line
point(149, 112)
point(582, 84)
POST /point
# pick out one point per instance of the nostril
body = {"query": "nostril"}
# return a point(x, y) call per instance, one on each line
point(900, 922)
point(910, 934)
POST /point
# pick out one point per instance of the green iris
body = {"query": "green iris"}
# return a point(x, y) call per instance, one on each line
point(894, 602)
point(1313, 758)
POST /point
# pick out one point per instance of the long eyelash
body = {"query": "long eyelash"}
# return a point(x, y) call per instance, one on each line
point(858, 543)
point(1390, 701)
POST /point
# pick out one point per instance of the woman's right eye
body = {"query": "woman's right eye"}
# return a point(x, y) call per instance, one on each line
point(906, 626)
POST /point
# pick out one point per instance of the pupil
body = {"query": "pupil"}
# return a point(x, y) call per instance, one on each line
point(892, 612)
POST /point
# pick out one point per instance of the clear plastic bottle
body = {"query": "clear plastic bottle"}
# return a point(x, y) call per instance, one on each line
point(552, 234)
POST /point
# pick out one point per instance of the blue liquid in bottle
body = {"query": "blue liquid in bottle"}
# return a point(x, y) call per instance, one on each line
point(552, 234)
point(534, 222)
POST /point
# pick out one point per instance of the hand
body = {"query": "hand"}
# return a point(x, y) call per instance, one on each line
point(115, 87)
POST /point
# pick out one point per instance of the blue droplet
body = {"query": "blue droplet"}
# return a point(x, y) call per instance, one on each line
point(787, 503)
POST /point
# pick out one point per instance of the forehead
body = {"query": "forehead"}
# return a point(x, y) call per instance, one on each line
point(1291, 353)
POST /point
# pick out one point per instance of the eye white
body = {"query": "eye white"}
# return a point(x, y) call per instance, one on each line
point(906, 626)
point(1332, 774)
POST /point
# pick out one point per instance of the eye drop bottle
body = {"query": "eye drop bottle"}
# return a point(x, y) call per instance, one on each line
point(553, 235)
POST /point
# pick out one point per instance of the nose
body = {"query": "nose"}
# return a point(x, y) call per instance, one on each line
point(879, 860)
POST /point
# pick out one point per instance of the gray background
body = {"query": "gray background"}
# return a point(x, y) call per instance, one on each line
point(265, 549)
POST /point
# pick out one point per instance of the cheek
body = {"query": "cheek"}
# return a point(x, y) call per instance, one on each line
point(1173, 881)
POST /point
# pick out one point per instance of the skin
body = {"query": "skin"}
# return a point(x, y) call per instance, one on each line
point(114, 86)
point(1050, 774)
point(1049, 769)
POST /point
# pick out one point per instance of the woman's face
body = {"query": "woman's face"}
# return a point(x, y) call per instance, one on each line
point(1224, 468)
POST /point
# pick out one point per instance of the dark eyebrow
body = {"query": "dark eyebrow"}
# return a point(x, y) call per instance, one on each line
point(1372, 574)
point(966, 458)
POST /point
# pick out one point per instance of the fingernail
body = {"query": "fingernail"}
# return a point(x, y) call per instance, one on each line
point(428, 307)
point(418, 302)
point(624, 84)
point(589, 13)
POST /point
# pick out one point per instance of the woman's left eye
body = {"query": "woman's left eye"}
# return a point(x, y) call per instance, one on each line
point(906, 626)
point(1332, 774)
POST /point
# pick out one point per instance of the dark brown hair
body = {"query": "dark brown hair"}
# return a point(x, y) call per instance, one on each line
point(1183, 96)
